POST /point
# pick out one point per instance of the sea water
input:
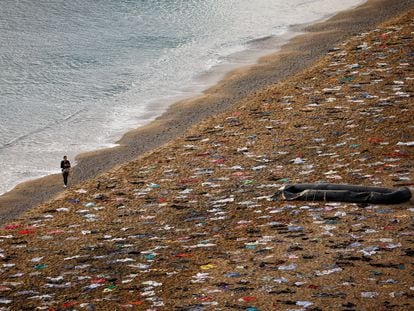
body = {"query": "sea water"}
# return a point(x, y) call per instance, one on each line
point(75, 75)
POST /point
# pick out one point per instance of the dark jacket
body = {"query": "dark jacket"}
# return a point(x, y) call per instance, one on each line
point(64, 164)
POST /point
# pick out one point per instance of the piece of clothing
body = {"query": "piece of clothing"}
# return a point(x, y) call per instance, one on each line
point(65, 177)
point(65, 165)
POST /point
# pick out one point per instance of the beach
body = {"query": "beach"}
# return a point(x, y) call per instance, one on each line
point(182, 215)
point(295, 56)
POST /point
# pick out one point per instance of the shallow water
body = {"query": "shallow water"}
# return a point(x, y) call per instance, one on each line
point(75, 75)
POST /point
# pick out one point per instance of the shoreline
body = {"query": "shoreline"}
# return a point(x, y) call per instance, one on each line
point(297, 55)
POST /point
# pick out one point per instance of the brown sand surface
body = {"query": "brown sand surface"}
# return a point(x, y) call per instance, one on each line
point(295, 56)
point(194, 224)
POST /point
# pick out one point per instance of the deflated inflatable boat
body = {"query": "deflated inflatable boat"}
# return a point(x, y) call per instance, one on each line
point(343, 193)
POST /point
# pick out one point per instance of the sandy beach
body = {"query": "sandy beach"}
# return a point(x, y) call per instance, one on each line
point(193, 224)
point(294, 57)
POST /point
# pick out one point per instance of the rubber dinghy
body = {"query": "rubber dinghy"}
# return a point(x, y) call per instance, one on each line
point(343, 193)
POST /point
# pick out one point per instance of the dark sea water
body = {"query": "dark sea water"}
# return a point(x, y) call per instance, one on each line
point(75, 75)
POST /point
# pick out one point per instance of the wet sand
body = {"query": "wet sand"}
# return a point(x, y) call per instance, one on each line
point(298, 54)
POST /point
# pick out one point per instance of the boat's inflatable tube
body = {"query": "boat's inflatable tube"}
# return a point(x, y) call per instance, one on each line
point(343, 193)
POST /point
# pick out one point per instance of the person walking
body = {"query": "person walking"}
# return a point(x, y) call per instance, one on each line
point(65, 166)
